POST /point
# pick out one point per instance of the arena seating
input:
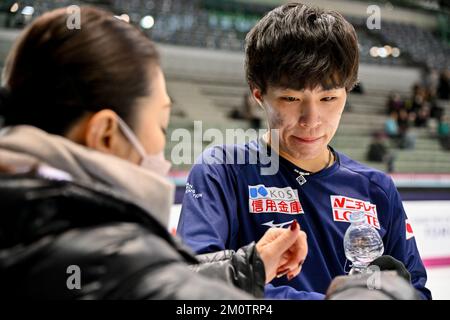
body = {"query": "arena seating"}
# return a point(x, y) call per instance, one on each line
point(211, 103)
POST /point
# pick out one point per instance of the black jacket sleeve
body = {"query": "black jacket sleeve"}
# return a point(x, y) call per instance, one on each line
point(244, 268)
point(54, 234)
point(116, 261)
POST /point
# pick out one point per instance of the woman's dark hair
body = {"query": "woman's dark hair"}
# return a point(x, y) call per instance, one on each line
point(54, 74)
point(295, 46)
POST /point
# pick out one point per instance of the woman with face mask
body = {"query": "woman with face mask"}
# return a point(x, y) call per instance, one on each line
point(85, 203)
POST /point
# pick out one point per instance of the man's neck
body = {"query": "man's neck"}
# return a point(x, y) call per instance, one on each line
point(324, 160)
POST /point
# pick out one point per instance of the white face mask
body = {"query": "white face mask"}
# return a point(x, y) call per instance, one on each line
point(155, 163)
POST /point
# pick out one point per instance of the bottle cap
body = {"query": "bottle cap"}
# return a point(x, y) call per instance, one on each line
point(357, 216)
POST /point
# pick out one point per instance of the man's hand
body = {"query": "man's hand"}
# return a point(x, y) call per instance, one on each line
point(283, 251)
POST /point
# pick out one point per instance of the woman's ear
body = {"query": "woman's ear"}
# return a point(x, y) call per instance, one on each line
point(103, 133)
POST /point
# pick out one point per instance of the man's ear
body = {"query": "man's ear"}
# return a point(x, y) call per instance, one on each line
point(102, 132)
point(257, 95)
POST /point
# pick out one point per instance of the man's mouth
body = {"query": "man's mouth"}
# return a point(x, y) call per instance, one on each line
point(308, 140)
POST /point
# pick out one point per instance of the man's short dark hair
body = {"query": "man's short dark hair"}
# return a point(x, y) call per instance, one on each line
point(298, 47)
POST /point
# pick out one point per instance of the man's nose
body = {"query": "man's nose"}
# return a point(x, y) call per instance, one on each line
point(310, 116)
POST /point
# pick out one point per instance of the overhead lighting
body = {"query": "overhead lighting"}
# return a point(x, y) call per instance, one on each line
point(14, 8)
point(124, 17)
point(147, 22)
point(388, 50)
point(382, 52)
point(395, 52)
point(28, 11)
point(373, 52)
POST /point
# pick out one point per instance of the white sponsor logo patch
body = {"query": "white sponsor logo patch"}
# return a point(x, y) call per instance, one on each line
point(262, 199)
point(344, 206)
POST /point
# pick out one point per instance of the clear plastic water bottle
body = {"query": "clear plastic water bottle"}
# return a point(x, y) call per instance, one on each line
point(362, 242)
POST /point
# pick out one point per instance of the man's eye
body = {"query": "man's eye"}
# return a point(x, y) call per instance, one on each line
point(327, 99)
point(290, 99)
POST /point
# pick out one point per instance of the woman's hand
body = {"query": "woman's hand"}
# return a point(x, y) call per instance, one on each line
point(283, 251)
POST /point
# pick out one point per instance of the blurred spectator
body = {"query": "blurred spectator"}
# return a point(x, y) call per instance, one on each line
point(422, 115)
point(403, 120)
point(379, 151)
point(418, 110)
point(395, 103)
point(247, 111)
point(419, 96)
point(407, 138)
point(443, 131)
point(391, 125)
point(431, 81)
point(444, 84)
point(436, 111)
point(358, 88)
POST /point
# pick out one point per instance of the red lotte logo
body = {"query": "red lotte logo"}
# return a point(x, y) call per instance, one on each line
point(343, 206)
point(262, 199)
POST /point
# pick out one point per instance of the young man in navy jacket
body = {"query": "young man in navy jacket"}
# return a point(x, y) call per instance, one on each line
point(301, 63)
